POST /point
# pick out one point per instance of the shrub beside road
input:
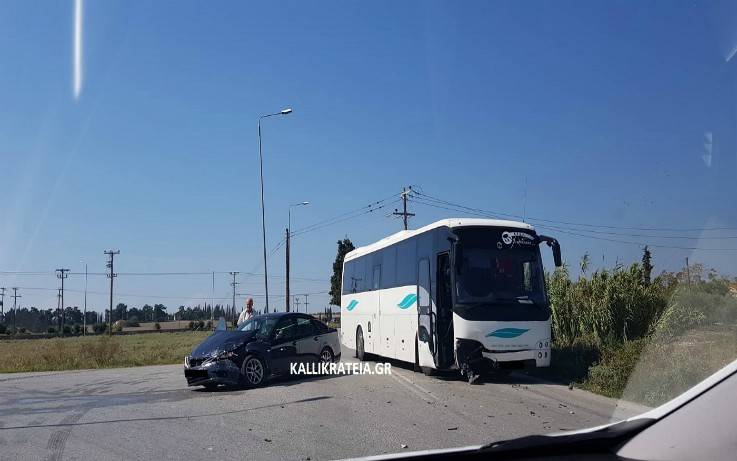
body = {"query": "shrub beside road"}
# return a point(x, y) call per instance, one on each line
point(84, 352)
point(622, 334)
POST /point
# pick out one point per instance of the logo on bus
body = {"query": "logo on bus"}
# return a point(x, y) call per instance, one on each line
point(507, 333)
point(352, 305)
point(517, 238)
point(407, 301)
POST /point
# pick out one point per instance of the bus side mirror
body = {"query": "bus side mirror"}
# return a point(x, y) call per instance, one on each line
point(553, 243)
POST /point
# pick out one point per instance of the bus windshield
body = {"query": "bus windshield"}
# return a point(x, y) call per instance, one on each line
point(498, 266)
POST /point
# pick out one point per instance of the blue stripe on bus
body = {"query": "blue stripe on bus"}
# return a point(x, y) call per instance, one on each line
point(407, 301)
point(508, 333)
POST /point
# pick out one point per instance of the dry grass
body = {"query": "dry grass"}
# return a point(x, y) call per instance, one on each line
point(96, 351)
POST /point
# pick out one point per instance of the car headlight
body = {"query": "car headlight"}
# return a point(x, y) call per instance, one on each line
point(186, 361)
point(225, 355)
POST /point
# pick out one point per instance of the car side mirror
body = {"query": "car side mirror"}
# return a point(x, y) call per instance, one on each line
point(555, 246)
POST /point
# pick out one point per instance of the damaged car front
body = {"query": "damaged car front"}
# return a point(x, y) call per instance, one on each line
point(218, 359)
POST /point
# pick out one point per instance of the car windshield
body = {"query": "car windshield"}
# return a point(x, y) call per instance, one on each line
point(498, 266)
point(264, 325)
point(339, 229)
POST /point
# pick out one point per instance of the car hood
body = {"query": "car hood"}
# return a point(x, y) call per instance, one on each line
point(222, 341)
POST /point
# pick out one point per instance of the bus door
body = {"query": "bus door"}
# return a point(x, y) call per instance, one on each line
point(443, 307)
point(426, 334)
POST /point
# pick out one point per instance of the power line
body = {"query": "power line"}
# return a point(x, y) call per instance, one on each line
point(145, 274)
point(364, 210)
point(570, 223)
point(573, 232)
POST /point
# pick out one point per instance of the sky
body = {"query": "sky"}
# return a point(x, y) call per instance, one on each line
point(615, 114)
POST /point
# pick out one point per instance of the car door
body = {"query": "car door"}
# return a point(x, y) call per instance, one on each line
point(308, 342)
point(284, 346)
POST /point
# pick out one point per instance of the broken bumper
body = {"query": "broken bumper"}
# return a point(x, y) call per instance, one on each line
point(524, 359)
point(214, 372)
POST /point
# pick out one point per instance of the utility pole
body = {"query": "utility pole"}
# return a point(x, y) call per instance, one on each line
point(233, 284)
point(58, 303)
point(287, 264)
point(84, 319)
point(2, 304)
point(688, 274)
point(15, 306)
point(306, 303)
point(62, 274)
point(404, 214)
point(110, 265)
point(296, 303)
point(288, 252)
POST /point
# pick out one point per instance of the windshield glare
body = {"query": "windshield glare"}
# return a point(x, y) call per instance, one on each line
point(262, 325)
point(491, 271)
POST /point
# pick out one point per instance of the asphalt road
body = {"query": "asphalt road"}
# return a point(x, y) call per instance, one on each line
point(148, 412)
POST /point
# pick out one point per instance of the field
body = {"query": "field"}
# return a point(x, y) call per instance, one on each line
point(96, 351)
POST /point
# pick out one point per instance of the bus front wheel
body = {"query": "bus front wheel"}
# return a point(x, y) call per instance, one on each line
point(360, 348)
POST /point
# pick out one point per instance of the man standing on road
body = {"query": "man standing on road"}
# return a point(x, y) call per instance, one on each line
point(247, 313)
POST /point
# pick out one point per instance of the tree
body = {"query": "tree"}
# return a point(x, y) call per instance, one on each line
point(647, 266)
point(344, 247)
point(159, 312)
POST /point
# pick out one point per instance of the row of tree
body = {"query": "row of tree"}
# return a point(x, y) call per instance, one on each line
point(32, 319)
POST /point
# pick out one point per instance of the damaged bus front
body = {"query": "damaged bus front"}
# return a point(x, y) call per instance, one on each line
point(464, 294)
point(501, 313)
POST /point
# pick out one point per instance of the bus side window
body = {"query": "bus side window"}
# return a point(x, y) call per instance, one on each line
point(377, 278)
point(423, 282)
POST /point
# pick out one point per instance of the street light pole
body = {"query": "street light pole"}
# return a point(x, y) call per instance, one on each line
point(263, 212)
point(288, 236)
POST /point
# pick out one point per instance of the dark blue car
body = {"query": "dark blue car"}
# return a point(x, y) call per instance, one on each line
point(259, 348)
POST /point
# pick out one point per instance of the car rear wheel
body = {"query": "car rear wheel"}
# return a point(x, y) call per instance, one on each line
point(253, 371)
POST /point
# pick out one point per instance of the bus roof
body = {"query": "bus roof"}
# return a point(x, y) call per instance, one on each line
point(450, 222)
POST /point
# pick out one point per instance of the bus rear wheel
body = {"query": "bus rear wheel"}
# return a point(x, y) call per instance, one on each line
point(360, 351)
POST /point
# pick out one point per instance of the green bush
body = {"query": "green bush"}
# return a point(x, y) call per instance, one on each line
point(610, 306)
point(2, 328)
point(610, 375)
point(99, 328)
point(696, 305)
point(157, 326)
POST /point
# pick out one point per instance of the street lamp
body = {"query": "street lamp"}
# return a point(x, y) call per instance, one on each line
point(289, 233)
point(263, 213)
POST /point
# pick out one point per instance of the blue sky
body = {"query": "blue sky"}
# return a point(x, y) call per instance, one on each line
point(602, 109)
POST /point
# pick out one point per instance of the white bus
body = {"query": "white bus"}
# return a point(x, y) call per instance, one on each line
point(456, 294)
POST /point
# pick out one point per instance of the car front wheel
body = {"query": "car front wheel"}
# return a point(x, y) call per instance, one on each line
point(253, 371)
point(326, 356)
